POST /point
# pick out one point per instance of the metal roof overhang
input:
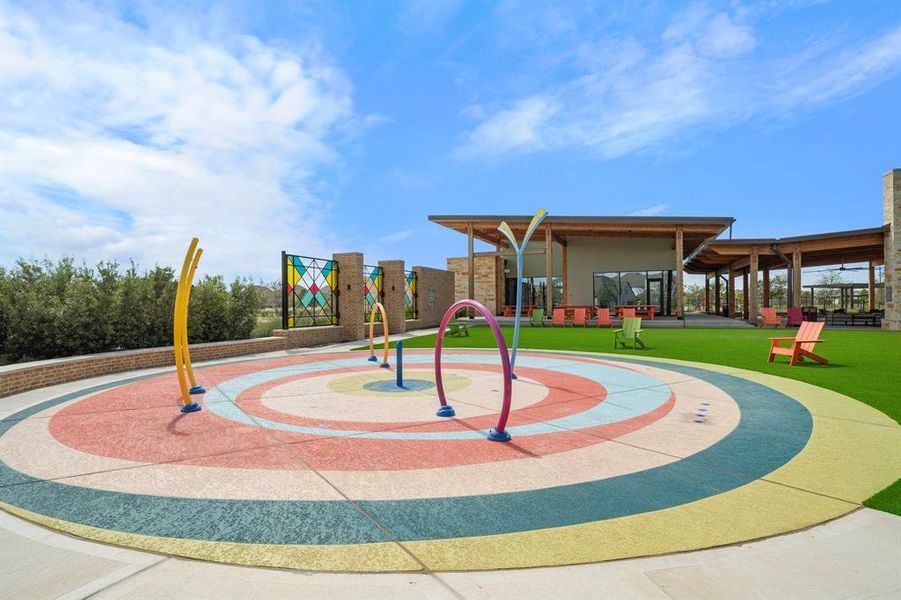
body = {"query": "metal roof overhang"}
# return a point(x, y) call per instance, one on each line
point(837, 247)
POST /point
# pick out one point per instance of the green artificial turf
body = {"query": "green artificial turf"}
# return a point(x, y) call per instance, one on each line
point(865, 365)
point(888, 499)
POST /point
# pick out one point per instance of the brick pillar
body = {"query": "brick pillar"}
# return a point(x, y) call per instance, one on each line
point(350, 301)
point(891, 210)
point(393, 284)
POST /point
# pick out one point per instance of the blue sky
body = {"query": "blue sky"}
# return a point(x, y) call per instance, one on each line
point(320, 127)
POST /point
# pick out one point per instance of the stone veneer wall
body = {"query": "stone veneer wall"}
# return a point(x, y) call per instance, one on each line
point(485, 279)
point(27, 376)
point(891, 210)
point(435, 289)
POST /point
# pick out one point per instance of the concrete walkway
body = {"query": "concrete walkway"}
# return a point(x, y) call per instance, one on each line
point(858, 556)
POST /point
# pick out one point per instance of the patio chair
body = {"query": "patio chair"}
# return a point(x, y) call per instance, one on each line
point(628, 313)
point(793, 317)
point(457, 329)
point(580, 317)
point(604, 317)
point(802, 344)
point(537, 318)
point(630, 332)
point(769, 317)
point(558, 317)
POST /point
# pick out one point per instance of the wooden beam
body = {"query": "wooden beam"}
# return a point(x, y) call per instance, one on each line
point(796, 278)
point(548, 269)
point(766, 288)
point(754, 309)
point(680, 291)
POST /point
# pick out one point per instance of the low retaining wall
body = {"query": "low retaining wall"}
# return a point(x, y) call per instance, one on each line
point(41, 373)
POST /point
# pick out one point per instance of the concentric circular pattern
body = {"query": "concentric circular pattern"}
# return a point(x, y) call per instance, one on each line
point(322, 462)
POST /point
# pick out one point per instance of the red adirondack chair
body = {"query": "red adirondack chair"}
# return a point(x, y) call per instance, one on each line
point(794, 316)
point(558, 317)
point(580, 317)
point(802, 344)
point(628, 313)
point(770, 317)
point(604, 317)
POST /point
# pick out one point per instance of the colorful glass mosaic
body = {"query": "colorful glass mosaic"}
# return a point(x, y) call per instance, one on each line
point(411, 304)
point(310, 286)
point(372, 290)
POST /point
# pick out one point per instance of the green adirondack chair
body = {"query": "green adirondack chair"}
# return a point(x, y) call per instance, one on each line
point(457, 329)
point(537, 319)
point(630, 332)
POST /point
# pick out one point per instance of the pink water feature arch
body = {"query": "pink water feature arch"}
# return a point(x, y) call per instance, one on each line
point(499, 433)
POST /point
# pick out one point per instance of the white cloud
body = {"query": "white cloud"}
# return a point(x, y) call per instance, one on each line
point(615, 96)
point(399, 236)
point(650, 211)
point(121, 142)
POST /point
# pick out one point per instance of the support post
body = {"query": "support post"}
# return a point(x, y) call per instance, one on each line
point(716, 293)
point(548, 270)
point(471, 262)
point(730, 293)
point(796, 278)
point(871, 288)
point(498, 280)
point(766, 287)
point(284, 290)
point(707, 293)
point(753, 308)
point(745, 296)
point(565, 274)
point(399, 363)
point(680, 292)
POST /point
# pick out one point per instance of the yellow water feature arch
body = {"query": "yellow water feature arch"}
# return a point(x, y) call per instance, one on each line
point(180, 329)
point(378, 306)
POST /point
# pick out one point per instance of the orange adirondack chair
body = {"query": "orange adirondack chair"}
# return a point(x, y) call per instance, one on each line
point(802, 344)
point(558, 317)
point(770, 317)
point(580, 317)
point(604, 317)
point(628, 313)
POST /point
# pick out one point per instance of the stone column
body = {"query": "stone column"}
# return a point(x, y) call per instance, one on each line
point(394, 284)
point(891, 210)
point(753, 307)
point(680, 291)
point(350, 300)
point(796, 278)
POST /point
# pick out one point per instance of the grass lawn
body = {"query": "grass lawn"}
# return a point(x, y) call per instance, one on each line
point(865, 365)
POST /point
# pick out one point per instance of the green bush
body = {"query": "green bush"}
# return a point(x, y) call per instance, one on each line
point(49, 310)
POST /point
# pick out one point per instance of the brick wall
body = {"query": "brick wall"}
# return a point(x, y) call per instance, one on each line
point(31, 375)
point(485, 279)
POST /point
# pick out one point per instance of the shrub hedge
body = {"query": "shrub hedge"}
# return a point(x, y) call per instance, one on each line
point(49, 310)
